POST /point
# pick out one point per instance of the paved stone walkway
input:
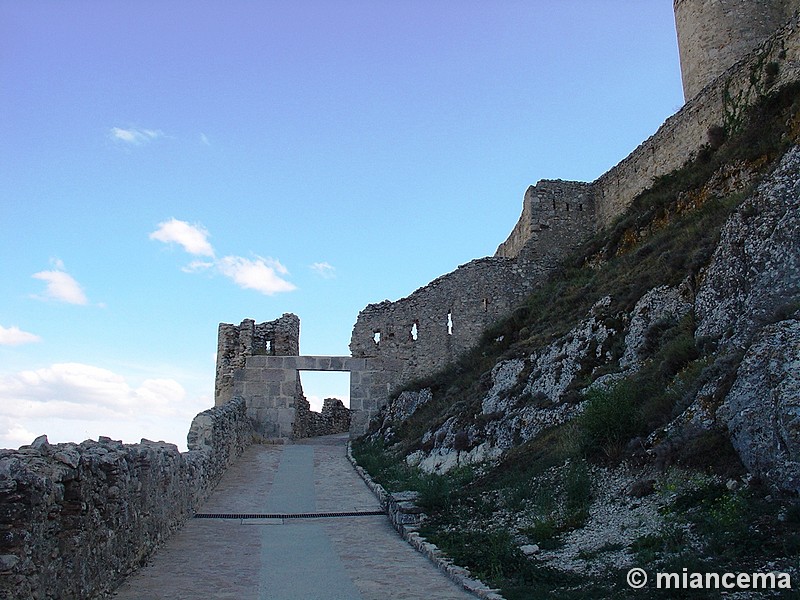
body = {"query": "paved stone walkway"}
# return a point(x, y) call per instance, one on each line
point(285, 559)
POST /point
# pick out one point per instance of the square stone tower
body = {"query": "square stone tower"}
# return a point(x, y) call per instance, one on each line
point(235, 343)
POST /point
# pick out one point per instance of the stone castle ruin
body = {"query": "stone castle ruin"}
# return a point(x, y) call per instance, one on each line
point(103, 506)
point(261, 364)
point(732, 53)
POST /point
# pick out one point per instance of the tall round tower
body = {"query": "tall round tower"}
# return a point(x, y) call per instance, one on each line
point(714, 34)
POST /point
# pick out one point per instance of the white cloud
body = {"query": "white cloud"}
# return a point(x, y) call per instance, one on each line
point(315, 403)
point(193, 238)
point(324, 270)
point(197, 265)
point(17, 435)
point(72, 401)
point(135, 136)
point(261, 274)
point(14, 336)
point(61, 286)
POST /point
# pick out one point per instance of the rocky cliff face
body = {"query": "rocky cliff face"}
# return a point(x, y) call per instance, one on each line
point(745, 306)
point(642, 409)
point(750, 302)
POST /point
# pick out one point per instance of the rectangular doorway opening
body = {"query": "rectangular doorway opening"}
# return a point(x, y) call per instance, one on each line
point(319, 385)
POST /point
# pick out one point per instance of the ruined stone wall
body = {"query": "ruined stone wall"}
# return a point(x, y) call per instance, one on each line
point(76, 518)
point(275, 402)
point(557, 216)
point(437, 323)
point(280, 337)
point(774, 62)
point(332, 419)
point(713, 35)
point(564, 206)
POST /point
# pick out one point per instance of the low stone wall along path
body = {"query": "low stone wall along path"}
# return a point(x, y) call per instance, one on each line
point(256, 541)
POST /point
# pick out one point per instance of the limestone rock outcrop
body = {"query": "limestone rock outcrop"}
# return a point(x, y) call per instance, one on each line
point(754, 276)
point(762, 409)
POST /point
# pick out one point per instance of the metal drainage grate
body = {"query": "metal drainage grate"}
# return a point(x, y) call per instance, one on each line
point(359, 513)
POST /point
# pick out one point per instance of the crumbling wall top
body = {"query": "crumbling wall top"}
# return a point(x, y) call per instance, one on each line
point(235, 343)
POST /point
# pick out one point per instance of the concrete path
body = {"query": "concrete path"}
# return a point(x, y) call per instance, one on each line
point(359, 557)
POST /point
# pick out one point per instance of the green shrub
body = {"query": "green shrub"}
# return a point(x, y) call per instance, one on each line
point(609, 421)
point(440, 492)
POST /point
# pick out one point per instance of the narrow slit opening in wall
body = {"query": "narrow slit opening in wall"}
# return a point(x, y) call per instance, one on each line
point(318, 385)
point(567, 205)
point(414, 331)
point(450, 323)
point(268, 347)
point(376, 337)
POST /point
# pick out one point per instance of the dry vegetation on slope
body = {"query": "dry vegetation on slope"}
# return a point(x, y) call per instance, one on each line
point(590, 444)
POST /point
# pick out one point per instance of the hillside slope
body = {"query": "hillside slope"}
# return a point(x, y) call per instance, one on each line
point(642, 408)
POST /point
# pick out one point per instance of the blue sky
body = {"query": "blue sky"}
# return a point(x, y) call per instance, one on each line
point(167, 166)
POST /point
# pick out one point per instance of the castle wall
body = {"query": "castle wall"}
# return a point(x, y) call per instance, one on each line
point(437, 323)
point(564, 206)
point(557, 216)
point(271, 388)
point(280, 337)
point(77, 518)
point(774, 63)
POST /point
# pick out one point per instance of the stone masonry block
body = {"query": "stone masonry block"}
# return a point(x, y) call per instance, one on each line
point(308, 363)
point(256, 361)
point(274, 374)
point(378, 391)
point(251, 374)
point(353, 364)
point(257, 401)
point(265, 415)
point(274, 362)
point(272, 389)
point(285, 421)
point(288, 388)
point(359, 423)
point(252, 388)
point(371, 404)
